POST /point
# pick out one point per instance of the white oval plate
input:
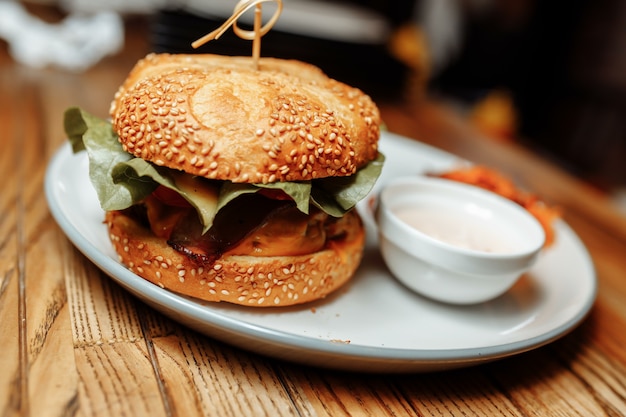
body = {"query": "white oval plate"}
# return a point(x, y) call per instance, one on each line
point(373, 324)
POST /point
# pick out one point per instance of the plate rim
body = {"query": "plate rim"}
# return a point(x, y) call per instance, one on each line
point(340, 355)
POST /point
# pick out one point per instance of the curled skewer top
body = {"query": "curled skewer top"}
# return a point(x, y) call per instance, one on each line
point(254, 35)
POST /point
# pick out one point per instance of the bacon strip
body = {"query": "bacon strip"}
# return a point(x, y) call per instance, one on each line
point(231, 225)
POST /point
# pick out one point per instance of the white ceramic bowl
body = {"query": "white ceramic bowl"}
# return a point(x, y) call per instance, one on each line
point(454, 242)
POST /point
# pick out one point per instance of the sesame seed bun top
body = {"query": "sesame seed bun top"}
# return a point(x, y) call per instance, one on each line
point(218, 117)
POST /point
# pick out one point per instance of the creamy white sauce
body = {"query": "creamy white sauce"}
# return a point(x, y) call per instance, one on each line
point(457, 228)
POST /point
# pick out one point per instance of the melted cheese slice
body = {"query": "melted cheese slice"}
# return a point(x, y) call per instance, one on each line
point(204, 195)
point(290, 235)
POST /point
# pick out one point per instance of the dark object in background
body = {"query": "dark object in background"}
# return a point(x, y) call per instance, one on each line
point(565, 66)
point(588, 117)
point(368, 66)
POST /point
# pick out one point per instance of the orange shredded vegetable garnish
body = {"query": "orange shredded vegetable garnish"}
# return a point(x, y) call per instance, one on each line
point(493, 180)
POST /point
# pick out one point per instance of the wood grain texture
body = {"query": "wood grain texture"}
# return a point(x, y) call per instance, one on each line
point(10, 380)
point(74, 343)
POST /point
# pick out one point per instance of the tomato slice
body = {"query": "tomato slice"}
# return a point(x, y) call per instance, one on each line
point(274, 194)
point(170, 197)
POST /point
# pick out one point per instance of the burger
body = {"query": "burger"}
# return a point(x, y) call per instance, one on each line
point(227, 181)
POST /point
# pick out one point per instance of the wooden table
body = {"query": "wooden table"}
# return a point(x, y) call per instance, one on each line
point(73, 342)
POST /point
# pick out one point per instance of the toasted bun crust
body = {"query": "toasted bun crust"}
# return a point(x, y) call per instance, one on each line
point(219, 118)
point(245, 280)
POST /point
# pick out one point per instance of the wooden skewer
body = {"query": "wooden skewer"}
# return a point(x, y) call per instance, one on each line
point(254, 35)
point(256, 42)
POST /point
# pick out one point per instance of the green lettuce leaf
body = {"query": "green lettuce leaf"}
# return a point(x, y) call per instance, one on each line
point(96, 136)
point(139, 170)
point(122, 180)
point(298, 191)
point(338, 195)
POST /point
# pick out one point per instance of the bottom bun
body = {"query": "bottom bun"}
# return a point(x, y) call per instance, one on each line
point(245, 280)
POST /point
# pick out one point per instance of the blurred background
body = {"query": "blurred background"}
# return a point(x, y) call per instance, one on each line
point(550, 75)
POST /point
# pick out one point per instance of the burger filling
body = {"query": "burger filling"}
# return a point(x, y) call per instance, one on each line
point(206, 219)
point(253, 225)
